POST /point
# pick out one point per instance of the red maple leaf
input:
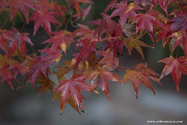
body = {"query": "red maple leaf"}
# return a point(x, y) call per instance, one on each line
point(72, 88)
point(17, 68)
point(106, 25)
point(59, 10)
point(140, 73)
point(3, 44)
point(143, 3)
point(36, 65)
point(5, 74)
point(101, 76)
point(176, 66)
point(75, 3)
point(82, 32)
point(109, 58)
point(83, 12)
point(83, 55)
point(17, 39)
point(113, 2)
point(60, 40)
point(23, 5)
point(146, 21)
point(124, 11)
point(163, 4)
point(43, 18)
point(179, 23)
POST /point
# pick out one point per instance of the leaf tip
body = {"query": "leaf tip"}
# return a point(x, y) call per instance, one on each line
point(82, 112)
point(177, 88)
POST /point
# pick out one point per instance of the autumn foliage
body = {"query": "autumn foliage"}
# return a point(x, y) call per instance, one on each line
point(98, 44)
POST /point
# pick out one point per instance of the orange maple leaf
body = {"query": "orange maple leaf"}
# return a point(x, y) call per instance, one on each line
point(140, 73)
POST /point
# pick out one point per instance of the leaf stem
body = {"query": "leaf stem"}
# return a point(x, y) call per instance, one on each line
point(23, 26)
point(66, 68)
point(4, 22)
point(177, 51)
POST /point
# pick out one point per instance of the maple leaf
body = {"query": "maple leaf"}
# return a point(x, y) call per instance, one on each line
point(176, 39)
point(18, 68)
point(83, 55)
point(140, 73)
point(109, 58)
point(179, 23)
point(63, 70)
point(83, 12)
point(163, 4)
point(46, 83)
point(115, 40)
point(6, 74)
point(60, 40)
point(3, 44)
point(23, 5)
point(82, 32)
point(164, 35)
point(101, 76)
point(113, 2)
point(52, 55)
point(75, 3)
point(70, 101)
point(124, 11)
point(106, 25)
point(72, 88)
point(176, 66)
point(60, 10)
point(17, 39)
point(5, 60)
point(36, 65)
point(132, 42)
point(146, 21)
point(143, 3)
point(3, 4)
point(43, 18)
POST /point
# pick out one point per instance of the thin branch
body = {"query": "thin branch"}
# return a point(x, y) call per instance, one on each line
point(4, 22)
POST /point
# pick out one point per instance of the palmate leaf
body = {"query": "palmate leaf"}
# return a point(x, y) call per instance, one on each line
point(140, 73)
point(179, 23)
point(75, 3)
point(70, 101)
point(147, 21)
point(43, 17)
point(82, 32)
point(46, 83)
point(163, 4)
point(176, 66)
point(109, 58)
point(83, 12)
point(71, 88)
point(100, 77)
point(83, 55)
point(112, 2)
point(17, 39)
point(60, 40)
point(5, 74)
point(106, 25)
point(3, 44)
point(59, 10)
point(125, 11)
point(131, 42)
point(37, 65)
point(23, 5)
point(143, 3)
point(177, 38)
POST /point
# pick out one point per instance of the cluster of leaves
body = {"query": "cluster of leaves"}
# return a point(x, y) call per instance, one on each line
point(97, 51)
